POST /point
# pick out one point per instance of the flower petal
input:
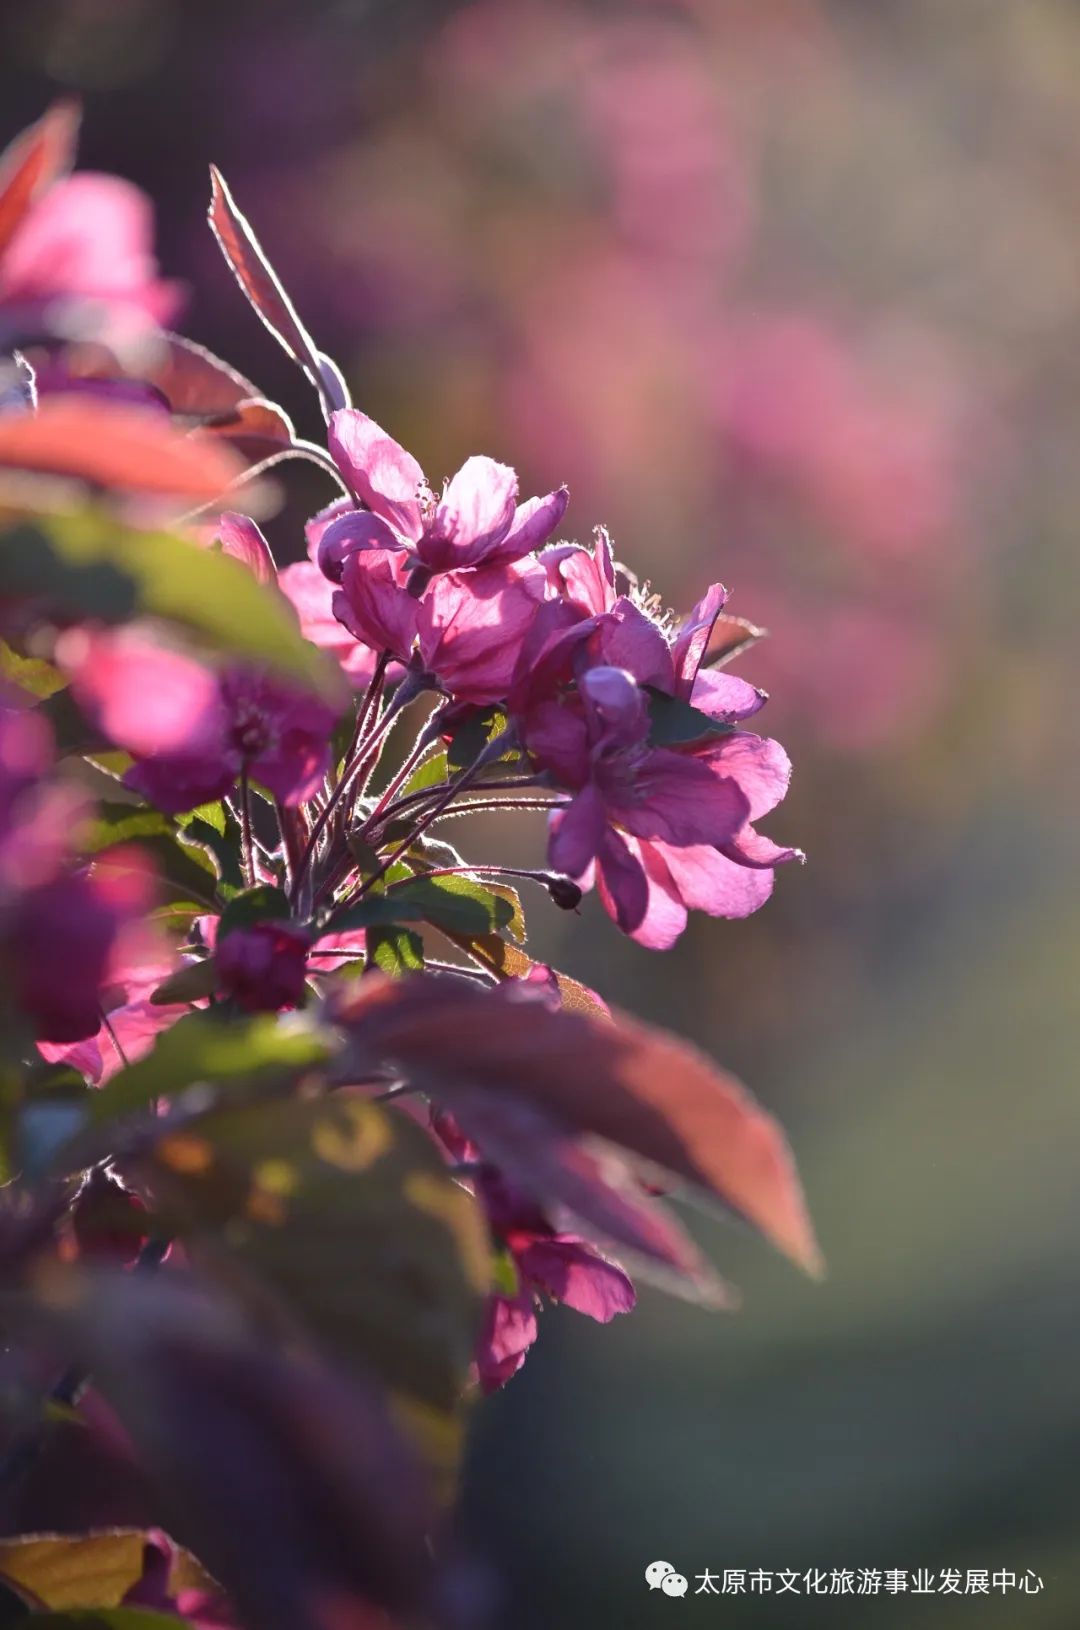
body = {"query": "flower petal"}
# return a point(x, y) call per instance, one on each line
point(532, 525)
point(474, 517)
point(577, 832)
point(573, 1272)
point(382, 474)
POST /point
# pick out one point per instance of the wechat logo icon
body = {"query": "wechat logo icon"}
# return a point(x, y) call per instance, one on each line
point(662, 1576)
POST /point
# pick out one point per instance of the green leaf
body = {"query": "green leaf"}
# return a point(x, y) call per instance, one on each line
point(674, 723)
point(258, 905)
point(177, 916)
point(433, 772)
point(106, 1618)
point(191, 983)
point(186, 870)
point(31, 674)
point(394, 950)
point(87, 564)
point(222, 1051)
point(459, 904)
point(93, 1570)
point(213, 830)
point(470, 737)
point(346, 1212)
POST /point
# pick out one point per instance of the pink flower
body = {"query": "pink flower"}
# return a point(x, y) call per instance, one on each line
point(466, 630)
point(312, 597)
point(598, 746)
point(471, 626)
point(263, 967)
point(134, 1021)
point(81, 261)
point(647, 880)
point(194, 732)
point(562, 1267)
point(476, 521)
point(58, 941)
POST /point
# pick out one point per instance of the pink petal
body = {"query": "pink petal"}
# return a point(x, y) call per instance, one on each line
point(577, 832)
point(145, 698)
point(679, 799)
point(665, 912)
point(572, 1272)
point(345, 534)
point(750, 848)
point(382, 474)
point(242, 539)
point(474, 516)
point(758, 764)
point(472, 626)
point(693, 638)
point(706, 881)
point(532, 525)
point(632, 641)
point(726, 698)
point(508, 1331)
point(374, 603)
point(621, 882)
point(312, 596)
point(314, 529)
point(89, 239)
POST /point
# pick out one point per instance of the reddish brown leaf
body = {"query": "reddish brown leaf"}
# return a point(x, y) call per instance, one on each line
point(501, 958)
point(195, 382)
point(256, 276)
point(37, 157)
point(594, 1190)
point(730, 637)
point(638, 1087)
point(115, 446)
point(254, 428)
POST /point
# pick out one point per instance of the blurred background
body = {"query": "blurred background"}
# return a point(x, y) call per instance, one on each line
point(789, 292)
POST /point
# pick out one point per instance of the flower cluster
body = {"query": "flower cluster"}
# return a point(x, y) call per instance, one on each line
point(377, 1165)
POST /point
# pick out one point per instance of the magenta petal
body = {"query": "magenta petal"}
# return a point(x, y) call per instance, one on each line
point(557, 741)
point(679, 799)
point(622, 884)
point(572, 1272)
point(707, 881)
point(577, 576)
point(508, 1331)
point(617, 713)
point(314, 529)
point(312, 597)
point(532, 525)
point(472, 626)
point(243, 540)
point(474, 516)
point(374, 603)
point(382, 474)
point(665, 912)
point(693, 638)
point(725, 698)
point(750, 848)
point(144, 697)
point(632, 641)
point(176, 782)
point(345, 534)
point(758, 764)
point(576, 835)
